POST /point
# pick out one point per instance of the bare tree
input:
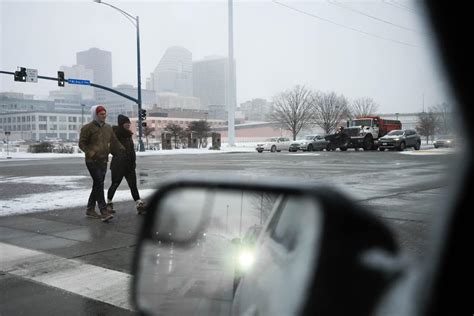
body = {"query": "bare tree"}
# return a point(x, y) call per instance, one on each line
point(201, 129)
point(263, 202)
point(148, 131)
point(329, 110)
point(444, 114)
point(175, 130)
point(293, 109)
point(427, 124)
point(363, 107)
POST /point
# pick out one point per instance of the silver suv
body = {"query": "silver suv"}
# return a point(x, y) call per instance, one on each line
point(400, 139)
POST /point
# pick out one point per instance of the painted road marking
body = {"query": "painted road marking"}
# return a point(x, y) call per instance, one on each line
point(96, 283)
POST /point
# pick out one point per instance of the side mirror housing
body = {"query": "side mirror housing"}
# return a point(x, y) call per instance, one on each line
point(312, 248)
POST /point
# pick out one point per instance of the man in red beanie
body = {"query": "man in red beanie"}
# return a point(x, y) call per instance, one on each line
point(97, 141)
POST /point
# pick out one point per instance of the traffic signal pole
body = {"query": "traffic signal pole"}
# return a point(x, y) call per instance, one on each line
point(123, 95)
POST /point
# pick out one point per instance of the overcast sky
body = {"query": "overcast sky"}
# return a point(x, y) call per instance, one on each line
point(276, 47)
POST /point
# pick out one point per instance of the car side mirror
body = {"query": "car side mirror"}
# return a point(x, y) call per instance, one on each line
point(312, 248)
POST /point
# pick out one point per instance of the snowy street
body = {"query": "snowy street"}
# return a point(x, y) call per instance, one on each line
point(43, 230)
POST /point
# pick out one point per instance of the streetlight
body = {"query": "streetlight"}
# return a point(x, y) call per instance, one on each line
point(136, 22)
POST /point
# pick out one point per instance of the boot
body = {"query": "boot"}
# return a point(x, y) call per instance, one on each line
point(141, 208)
point(105, 215)
point(91, 213)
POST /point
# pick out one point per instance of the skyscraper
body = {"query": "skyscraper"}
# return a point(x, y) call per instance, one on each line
point(100, 62)
point(210, 81)
point(173, 73)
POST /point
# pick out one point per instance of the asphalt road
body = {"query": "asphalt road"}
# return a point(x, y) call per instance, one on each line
point(48, 256)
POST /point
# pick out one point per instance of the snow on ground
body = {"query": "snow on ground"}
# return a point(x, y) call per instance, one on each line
point(68, 182)
point(239, 148)
point(63, 199)
point(432, 151)
point(243, 147)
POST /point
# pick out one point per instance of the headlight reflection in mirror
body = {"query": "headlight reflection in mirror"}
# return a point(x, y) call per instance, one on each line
point(237, 236)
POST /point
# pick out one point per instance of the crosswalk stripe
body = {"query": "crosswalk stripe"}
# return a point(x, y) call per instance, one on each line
point(71, 275)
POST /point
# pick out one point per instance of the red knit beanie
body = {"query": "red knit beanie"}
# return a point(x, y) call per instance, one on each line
point(100, 108)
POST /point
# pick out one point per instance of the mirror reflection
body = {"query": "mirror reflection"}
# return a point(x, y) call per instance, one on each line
point(214, 251)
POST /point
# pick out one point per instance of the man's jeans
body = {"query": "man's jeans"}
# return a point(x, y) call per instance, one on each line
point(97, 171)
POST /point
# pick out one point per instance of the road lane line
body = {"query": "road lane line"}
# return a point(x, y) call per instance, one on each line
point(74, 276)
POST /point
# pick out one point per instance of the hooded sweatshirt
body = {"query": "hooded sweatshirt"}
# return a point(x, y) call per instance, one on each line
point(97, 140)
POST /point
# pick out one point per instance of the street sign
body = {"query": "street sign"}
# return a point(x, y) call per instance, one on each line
point(79, 81)
point(31, 75)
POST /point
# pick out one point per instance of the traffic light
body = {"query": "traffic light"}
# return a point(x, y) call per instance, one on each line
point(61, 78)
point(20, 75)
point(143, 114)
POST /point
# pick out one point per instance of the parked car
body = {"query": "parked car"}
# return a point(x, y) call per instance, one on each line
point(309, 143)
point(444, 141)
point(400, 139)
point(274, 144)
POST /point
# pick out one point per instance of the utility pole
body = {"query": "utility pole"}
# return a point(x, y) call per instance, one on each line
point(423, 102)
point(231, 94)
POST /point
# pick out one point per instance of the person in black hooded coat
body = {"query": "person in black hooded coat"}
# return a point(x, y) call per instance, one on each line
point(124, 166)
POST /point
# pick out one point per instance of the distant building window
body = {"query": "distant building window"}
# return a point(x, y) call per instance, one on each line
point(72, 127)
point(53, 118)
point(72, 119)
point(42, 127)
point(33, 118)
point(42, 118)
point(62, 119)
point(53, 127)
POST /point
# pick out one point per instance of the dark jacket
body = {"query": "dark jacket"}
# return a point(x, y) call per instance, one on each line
point(128, 160)
point(98, 141)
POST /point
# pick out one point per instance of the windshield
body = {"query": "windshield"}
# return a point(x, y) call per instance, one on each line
point(360, 123)
point(271, 140)
point(396, 133)
point(443, 137)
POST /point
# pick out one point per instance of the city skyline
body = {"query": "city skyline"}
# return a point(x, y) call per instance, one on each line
point(275, 47)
